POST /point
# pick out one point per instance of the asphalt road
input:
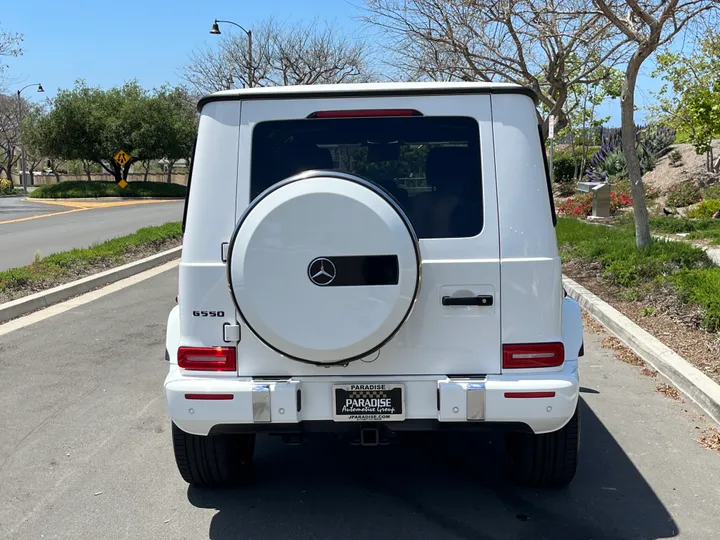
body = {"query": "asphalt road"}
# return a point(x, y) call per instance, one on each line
point(57, 228)
point(85, 453)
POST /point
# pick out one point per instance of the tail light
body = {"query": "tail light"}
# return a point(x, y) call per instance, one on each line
point(534, 355)
point(207, 358)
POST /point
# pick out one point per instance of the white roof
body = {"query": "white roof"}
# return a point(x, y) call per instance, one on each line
point(363, 88)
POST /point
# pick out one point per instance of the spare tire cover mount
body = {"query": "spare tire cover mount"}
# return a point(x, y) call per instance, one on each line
point(324, 267)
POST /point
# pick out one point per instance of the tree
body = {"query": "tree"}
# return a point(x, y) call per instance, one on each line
point(583, 122)
point(648, 25)
point(10, 131)
point(180, 124)
point(9, 46)
point(694, 103)
point(281, 55)
point(550, 46)
point(93, 125)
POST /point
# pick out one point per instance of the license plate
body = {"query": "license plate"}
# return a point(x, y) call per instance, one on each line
point(369, 402)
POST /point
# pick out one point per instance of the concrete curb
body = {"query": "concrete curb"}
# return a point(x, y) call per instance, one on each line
point(104, 199)
point(43, 299)
point(688, 379)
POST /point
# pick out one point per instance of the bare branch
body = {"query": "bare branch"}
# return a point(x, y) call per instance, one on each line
point(282, 55)
point(548, 45)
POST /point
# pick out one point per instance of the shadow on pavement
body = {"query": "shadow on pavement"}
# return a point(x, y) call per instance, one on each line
point(450, 488)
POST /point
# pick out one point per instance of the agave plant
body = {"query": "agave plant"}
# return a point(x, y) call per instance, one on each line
point(658, 141)
point(609, 161)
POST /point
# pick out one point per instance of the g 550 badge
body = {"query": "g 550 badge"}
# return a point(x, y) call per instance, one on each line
point(208, 313)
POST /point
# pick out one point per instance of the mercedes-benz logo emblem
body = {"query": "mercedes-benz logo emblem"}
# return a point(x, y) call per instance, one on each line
point(321, 271)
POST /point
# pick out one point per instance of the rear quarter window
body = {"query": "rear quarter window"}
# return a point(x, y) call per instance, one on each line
point(429, 165)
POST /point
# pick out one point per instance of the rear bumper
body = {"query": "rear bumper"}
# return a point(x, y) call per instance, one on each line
point(444, 401)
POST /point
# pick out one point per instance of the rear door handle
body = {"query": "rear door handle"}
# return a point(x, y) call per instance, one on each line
point(481, 300)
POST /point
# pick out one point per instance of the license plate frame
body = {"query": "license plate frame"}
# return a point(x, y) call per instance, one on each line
point(368, 410)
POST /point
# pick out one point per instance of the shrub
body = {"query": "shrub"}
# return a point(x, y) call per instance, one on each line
point(609, 161)
point(711, 192)
point(619, 201)
point(701, 287)
point(705, 210)
point(563, 167)
point(684, 194)
point(66, 190)
point(623, 187)
point(675, 158)
point(6, 187)
point(578, 206)
point(657, 140)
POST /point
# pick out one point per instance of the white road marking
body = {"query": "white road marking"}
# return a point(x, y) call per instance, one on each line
point(83, 299)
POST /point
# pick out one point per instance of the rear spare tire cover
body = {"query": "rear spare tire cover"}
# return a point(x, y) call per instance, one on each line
point(324, 267)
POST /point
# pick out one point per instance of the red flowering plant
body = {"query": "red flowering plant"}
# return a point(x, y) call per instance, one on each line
point(577, 206)
point(684, 194)
point(619, 201)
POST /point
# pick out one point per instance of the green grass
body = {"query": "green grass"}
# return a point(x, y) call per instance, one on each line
point(697, 229)
point(55, 267)
point(701, 287)
point(76, 190)
point(684, 266)
point(622, 263)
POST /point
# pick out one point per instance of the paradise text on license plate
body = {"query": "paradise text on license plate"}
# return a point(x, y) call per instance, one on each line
point(369, 402)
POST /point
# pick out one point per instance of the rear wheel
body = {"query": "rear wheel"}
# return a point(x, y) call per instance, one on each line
point(213, 460)
point(546, 460)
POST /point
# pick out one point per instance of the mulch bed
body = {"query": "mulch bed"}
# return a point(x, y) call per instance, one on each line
point(676, 325)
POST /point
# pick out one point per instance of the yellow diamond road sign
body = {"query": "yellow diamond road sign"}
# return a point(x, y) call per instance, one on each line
point(122, 183)
point(121, 158)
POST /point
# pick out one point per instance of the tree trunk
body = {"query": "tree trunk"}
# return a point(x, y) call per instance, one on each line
point(146, 166)
point(170, 166)
point(574, 154)
point(8, 169)
point(627, 110)
point(126, 169)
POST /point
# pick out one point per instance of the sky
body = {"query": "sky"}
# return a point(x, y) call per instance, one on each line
point(107, 43)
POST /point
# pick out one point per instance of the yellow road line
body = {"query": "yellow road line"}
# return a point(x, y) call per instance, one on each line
point(70, 204)
point(77, 206)
point(43, 215)
point(109, 204)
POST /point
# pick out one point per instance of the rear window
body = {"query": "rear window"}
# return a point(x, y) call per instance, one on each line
point(430, 165)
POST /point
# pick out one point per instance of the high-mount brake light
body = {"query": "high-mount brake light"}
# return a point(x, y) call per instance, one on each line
point(533, 355)
point(207, 358)
point(365, 113)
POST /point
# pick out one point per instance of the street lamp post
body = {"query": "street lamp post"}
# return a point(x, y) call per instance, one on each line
point(23, 179)
point(216, 30)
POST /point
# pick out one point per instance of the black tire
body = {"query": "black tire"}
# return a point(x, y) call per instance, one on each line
point(548, 460)
point(215, 460)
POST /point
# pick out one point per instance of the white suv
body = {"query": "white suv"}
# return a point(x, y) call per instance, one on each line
point(368, 259)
